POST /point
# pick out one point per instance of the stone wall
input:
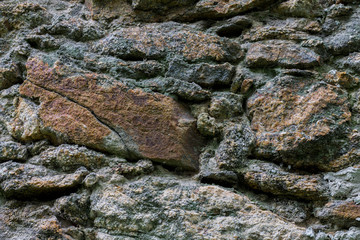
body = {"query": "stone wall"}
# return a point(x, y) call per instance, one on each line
point(189, 119)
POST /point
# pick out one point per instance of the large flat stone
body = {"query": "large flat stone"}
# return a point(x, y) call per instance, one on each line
point(150, 125)
point(134, 208)
point(64, 121)
point(156, 41)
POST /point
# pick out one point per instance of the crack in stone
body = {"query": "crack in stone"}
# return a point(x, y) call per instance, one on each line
point(130, 154)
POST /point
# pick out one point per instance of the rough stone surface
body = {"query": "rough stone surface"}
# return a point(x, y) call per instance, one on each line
point(224, 8)
point(290, 115)
point(289, 29)
point(132, 113)
point(300, 8)
point(189, 119)
point(157, 41)
point(283, 54)
point(26, 181)
point(10, 150)
point(341, 213)
point(346, 39)
point(68, 158)
point(203, 74)
point(352, 61)
point(270, 178)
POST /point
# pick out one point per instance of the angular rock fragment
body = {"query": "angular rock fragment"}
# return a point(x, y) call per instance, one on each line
point(8, 100)
point(351, 61)
point(204, 74)
point(344, 184)
point(74, 208)
point(10, 150)
point(289, 29)
point(157, 41)
point(236, 146)
point(68, 158)
point(26, 181)
point(146, 125)
point(76, 29)
point(339, 10)
point(225, 105)
point(281, 54)
point(270, 178)
point(231, 28)
point(298, 119)
point(300, 8)
point(135, 169)
point(188, 91)
point(159, 5)
point(214, 9)
point(207, 125)
point(347, 38)
point(342, 79)
point(9, 74)
point(221, 166)
point(122, 69)
point(43, 42)
point(341, 213)
point(26, 125)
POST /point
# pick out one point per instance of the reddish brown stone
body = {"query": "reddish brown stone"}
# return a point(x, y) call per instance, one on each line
point(65, 121)
point(151, 125)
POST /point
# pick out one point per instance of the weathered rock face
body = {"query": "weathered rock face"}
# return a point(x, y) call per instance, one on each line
point(282, 54)
point(224, 8)
point(157, 41)
point(145, 125)
point(290, 115)
point(189, 119)
point(178, 205)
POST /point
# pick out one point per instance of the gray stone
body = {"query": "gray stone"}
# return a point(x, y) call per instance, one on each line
point(68, 158)
point(159, 5)
point(269, 177)
point(225, 105)
point(153, 41)
point(344, 184)
point(10, 150)
point(27, 181)
point(351, 61)
point(281, 53)
point(179, 209)
point(74, 208)
point(347, 38)
point(204, 74)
